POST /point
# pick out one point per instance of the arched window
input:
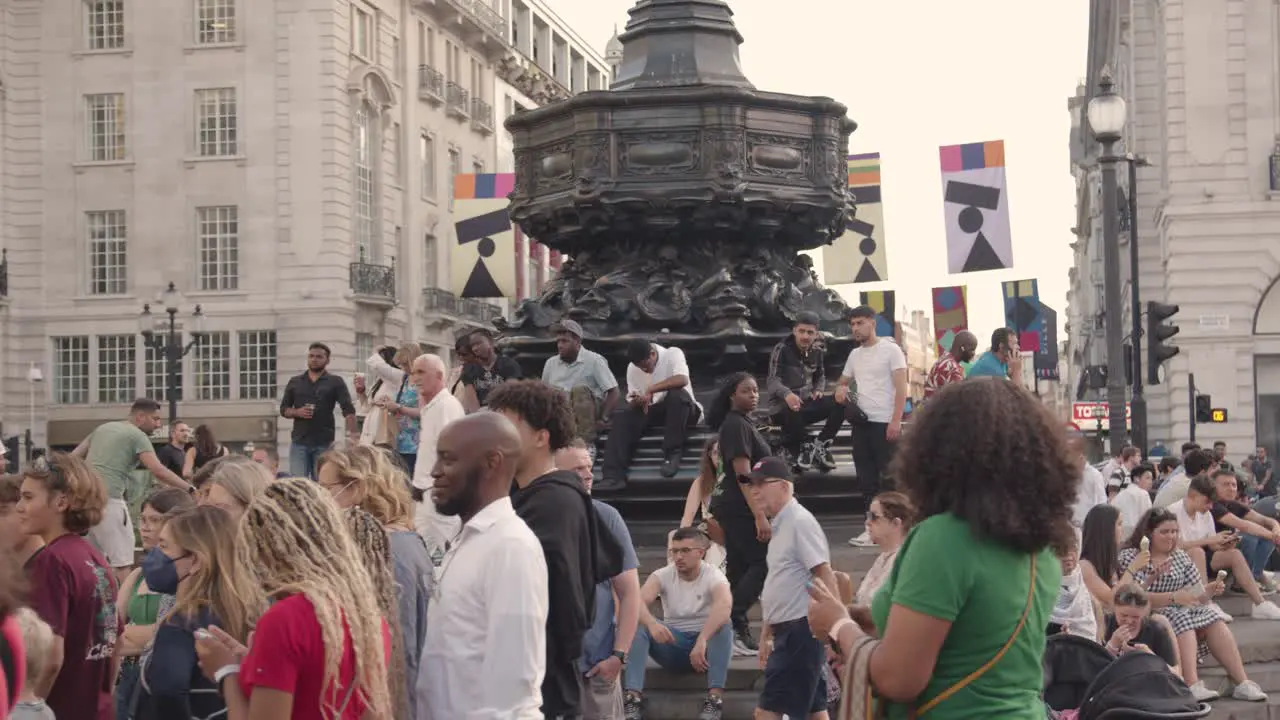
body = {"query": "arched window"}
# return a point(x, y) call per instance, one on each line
point(364, 161)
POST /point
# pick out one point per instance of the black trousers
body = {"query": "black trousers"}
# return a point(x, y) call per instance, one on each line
point(872, 452)
point(746, 564)
point(795, 423)
point(675, 413)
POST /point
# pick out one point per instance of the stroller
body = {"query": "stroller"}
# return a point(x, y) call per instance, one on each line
point(1080, 673)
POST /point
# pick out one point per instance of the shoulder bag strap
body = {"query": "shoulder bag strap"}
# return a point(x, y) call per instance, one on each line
point(1031, 594)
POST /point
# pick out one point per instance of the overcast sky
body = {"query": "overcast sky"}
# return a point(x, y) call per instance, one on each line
point(916, 75)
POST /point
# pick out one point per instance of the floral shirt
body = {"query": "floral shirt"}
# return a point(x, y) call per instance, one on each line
point(407, 437)
point(944, 372)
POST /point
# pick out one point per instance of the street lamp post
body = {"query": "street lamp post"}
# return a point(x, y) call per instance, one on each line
point(35, 376)
point(1138, 403)
point(169, 345)
point(1107, 119)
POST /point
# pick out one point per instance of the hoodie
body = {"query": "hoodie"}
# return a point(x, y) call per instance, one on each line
point(792, 370)
point(580, 552)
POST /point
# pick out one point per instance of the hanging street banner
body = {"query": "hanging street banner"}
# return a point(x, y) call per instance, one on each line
point(1046, 359)
point(1022, 313)
point(975, 207)
point(883, 302)
point(950, 314)
point(858, 255)
point(483, 260)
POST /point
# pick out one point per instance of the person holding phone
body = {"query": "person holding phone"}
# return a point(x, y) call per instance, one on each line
point(1003, 360)
point(1253, 534)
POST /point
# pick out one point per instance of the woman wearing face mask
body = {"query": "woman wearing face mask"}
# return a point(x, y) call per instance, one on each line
point(194, 560)
point(137, 603)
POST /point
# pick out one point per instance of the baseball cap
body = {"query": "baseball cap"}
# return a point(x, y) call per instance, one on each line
point(569, 326)
point(770, 468)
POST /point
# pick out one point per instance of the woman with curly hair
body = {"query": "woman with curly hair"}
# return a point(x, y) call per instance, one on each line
point(322, 648)
point(370, 479)
point(961, 619)
point(371, 541)
point(194, 561)
point(746, 529)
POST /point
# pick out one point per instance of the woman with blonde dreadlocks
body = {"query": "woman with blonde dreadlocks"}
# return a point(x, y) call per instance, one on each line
point(371, 541)
point(321, 651)
point(371, 479)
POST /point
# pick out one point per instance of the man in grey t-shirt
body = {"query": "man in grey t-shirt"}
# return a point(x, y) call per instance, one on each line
point(791, 657)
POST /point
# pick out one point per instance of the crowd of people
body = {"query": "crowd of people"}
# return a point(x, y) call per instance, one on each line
point(446, 560)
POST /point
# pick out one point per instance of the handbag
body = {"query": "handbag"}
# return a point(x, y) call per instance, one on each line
point(389, 427)
point(858, 702)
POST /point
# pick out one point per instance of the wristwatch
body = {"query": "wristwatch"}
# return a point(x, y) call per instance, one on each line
point(621, 655)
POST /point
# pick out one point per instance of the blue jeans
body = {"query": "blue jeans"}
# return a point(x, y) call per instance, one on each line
point(126, 686)
point(675, 656)
point(303, 459)
point(1256, 552)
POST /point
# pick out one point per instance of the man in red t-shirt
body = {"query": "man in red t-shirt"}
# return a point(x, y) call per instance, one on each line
point(72, 587)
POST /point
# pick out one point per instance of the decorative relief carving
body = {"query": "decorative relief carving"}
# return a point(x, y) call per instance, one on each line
point(553, 167)
point(524, 75)
point(659, 153)
point(779, 156)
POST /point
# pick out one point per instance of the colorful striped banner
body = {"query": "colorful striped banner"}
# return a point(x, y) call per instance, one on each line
point(858, 255)
point(976, 207)
point(485, 186)
point(950, 314)
point(483, 260)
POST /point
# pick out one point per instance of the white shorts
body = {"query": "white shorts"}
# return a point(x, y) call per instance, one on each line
point(114, 535)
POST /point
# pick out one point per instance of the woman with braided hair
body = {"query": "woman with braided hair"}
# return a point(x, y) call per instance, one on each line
point(371, 541)
point(321, 650)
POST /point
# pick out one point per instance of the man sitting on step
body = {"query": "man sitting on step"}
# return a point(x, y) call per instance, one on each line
point(694, 634)
point(795, 392)
point(585, 375)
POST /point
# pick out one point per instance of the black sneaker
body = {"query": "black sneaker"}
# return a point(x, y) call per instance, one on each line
point(743, 643)
point(633, 706)
point(671, 465)
point(804, 460)
point(712, 708)
point(822, 457)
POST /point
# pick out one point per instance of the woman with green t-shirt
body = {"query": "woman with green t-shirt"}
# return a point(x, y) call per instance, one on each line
point(959, 625)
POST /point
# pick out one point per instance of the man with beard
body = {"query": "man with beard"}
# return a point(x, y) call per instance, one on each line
point(949, 368)
point(174, 453)
point(488, 371)
point(309, 400)
point(579, 550)
point(878, 370)
point(585, 375)
point(485, 650)
point(1003, 360)
point(795, 390)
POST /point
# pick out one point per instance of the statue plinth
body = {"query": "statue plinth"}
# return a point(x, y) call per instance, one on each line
point(682, 198)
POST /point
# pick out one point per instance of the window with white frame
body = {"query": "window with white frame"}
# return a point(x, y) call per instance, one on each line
point(117, 368)
point(427, 160)
point(211, 365)
point(364, 350)
point(217, 122)
point(106, 125)
point(361, 32)
point(104, 24)
point(455, 167)
point(108, 252)
point(257, 364)
point(215, 22)
point(364, 159)
point(218, 233)
point(71, 370)
point(155, 377)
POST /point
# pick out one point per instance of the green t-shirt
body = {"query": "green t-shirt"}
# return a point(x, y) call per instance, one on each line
point(113, 451)
point(945, 572)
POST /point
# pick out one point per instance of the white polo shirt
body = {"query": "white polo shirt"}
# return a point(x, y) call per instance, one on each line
point(440, 411)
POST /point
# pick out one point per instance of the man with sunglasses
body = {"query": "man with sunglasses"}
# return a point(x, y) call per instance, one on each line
point(694, 635)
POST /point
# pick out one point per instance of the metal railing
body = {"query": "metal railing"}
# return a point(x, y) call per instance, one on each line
point(481, 115)
point(430, 82)
point(484, 15)
point(457, 99)
point(446, 303)
point(372, 280)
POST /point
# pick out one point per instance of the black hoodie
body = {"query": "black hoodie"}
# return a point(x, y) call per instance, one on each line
point(580, 553)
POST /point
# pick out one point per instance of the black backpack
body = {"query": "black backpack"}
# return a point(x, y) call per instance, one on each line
point(1140, 686)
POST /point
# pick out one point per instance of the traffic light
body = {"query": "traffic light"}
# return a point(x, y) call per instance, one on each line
point(1159, 331)
point(1204, 409)
point(10, 462)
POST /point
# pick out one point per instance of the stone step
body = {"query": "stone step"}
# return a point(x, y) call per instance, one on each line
point(1240, 710)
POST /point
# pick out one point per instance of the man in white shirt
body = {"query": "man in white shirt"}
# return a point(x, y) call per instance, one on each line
point(878, 370)
point(694, 634)
point(1134, 499)
point(485, 652)
point(1092, 489)
point(1195, 463)
point(436, 409)
point(658, 393)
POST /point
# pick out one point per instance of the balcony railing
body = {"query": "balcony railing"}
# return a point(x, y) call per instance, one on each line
point(443, 302)
point(430, 84)
point(4, 273)
point(373, 281)
point(481, 116)
point(485, 16)
point(457, 100)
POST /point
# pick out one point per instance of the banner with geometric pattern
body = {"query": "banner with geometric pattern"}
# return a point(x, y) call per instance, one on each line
point(483, 260)
point(950, 314)
point(1022, 313)
point(859, 255)
point(976, 207)
point(883, 302)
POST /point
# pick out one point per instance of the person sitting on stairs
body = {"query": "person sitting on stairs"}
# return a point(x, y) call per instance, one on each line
point(795, 388)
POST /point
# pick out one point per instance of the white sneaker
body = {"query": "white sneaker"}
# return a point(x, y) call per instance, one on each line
point(1204, 694)
point(1266, 610)
point(1222, 614)
point(863, 540)
point(1249, 692)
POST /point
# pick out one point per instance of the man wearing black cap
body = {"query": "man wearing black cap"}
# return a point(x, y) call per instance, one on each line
point(791, 657)
point(795, 394)
point(658, 393)
point(585, 375)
